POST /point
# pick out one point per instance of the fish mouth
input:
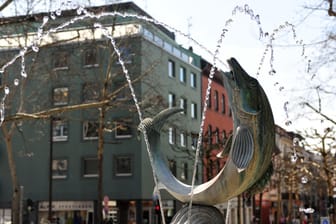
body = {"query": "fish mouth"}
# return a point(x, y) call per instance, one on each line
point(231, 76)
point(237, 73)
point(234, 68)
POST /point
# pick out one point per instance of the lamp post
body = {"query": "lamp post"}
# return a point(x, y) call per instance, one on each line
point(50, 168)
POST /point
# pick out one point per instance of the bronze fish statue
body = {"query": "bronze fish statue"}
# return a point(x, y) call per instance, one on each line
point(249, 154)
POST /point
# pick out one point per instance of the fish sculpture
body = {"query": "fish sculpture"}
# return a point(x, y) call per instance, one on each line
point(249, 154)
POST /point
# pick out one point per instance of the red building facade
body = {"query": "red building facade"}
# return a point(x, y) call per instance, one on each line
point(218, 122)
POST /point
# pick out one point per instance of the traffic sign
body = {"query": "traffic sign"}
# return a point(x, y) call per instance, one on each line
point(325, 220)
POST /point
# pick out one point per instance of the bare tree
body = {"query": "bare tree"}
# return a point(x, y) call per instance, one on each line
point(26, 102)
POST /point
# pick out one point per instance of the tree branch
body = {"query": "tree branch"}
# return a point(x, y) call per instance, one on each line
point(47, 113)
point(331, 12)
point(5, 4)
point(319, 112)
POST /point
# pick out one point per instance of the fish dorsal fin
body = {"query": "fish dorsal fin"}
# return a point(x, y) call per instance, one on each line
point(242, 148)
point(226, 149)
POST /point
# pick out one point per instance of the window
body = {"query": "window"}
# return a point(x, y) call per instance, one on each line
point(172, 135)
point(59, 168)
point(61, 61)
point(90, 130)
point(123, 129)
point(183, 139)
point(183, 105)
point(209, 100)
point(194, 139)
point(172, 166)
point(216, 100)
point(5, 215)
point(176, 52)
point(60, 130)
point(60, 96)
point(193, 80)
point(183, 76)
point(217, 136)
point(148, 34)
point(90, 58)
point(197, 173)
point(184, 173)
point(126, 55)
point(210, 169)
point(158, 41)
point(91, 92)
point(168, 47)
point(223, 104)
point(171, 68)
point(90, 167)
point(209, 134)
point(123, 165)
point(193, 110)
point(122, 90)
point(171, 100)
point(224, 137)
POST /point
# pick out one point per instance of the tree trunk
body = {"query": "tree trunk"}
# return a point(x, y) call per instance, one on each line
point(238, 209)
point(279, 202)
point(12, 169)
point(100, 152)
point(260, 207)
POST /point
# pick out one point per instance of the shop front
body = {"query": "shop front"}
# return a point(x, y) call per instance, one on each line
point(67, 212)
point(145, 211)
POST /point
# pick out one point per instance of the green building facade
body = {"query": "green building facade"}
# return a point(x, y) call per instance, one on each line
point(75, 86)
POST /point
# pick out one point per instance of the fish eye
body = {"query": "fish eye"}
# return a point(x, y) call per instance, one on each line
point(253, 83)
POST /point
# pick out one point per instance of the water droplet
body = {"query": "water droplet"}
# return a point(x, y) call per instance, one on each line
point(272, 72)
point(23, 51)
point(52, 16)
point(16, 82)
point(45, 19)
point(35, 48)
point(234, 12)
point(304, 180)
point(287, 123)
point(246, 8)
point(257, 18)
point(296, 141)
point(80, 10)
point(24, 74)
point(2, 112)
point(97, 25)
point(6, 90)
point(228, 22)
point(58, 12)
point(294, 158)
